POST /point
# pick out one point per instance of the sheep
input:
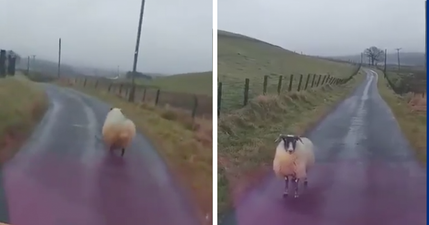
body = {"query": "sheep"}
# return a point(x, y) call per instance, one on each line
point(118, 131)
point(293, 158)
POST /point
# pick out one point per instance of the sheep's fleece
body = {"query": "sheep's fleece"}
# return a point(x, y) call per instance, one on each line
point(118, 131)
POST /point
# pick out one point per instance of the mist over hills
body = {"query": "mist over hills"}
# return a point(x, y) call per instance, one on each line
point(51, 68)
point(406, 58)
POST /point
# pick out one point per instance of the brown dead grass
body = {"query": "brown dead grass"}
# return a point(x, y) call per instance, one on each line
point(23, 105)
point(184, 143)
point(410, 112)
point(417, 102)
point(246, 137)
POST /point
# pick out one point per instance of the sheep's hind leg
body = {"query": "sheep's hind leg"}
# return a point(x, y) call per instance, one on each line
point(285, 193)
point(296, 187)
point(122, 151)
point(305, 182)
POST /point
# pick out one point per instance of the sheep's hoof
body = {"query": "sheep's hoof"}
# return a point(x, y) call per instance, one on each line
point(296, 195)
point(285, 194)
point(123, 152)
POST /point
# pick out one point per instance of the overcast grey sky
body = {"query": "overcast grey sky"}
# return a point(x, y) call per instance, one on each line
point(176, 35)
point(328, 27)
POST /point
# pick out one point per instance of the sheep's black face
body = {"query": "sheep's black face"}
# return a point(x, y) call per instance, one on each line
point(289, 142)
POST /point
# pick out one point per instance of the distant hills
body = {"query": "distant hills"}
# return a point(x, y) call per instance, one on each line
point(51, 68)
point(406, 58)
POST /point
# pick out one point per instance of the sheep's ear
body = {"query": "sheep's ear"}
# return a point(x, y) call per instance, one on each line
point(111, 109)
point(299, 139)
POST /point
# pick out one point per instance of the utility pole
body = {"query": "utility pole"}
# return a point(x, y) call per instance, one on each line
point(59, 57)
point(361, 58)
point(399, 62)
point(385, 62)
point(34, 60)
point(28, 65)
point(136, 54)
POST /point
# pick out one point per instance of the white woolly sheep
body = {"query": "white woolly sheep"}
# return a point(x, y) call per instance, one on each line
point(118, 131)
point(294, 157)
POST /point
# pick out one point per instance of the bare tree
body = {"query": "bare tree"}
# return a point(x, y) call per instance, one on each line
point(374, 54)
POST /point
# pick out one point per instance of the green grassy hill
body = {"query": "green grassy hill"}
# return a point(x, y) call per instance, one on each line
point(193, 83)
point(241, 57)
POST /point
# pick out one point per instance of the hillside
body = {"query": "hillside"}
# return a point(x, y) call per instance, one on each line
point(241, 57)
point(46, 67)
point(51, 68)
point(194, 83)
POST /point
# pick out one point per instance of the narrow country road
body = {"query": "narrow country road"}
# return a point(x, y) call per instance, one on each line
point(64, 175)
point(365, 174)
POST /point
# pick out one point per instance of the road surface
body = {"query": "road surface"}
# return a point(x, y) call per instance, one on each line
point(365, 173)
point(64, 175)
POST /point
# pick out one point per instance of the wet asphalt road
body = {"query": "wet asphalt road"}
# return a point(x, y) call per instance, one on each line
point(365, 173)
point(64, 175)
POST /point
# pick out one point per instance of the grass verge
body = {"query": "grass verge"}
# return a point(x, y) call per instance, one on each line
point(411, 121)
point(24, 104)
point(186, 145)
point(246, 136)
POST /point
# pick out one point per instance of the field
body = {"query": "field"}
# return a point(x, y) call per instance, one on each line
point(184, 142)
point(409, 109)
point(246, 134)
point(191, 83)
point(24, 104)
point(241, 57)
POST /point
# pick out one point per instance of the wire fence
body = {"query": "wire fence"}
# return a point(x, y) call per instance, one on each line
point(282, 84)
point(196, 105)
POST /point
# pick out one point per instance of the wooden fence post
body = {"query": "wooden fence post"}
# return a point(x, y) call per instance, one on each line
point(300, 81)
point(279, 85)
point(290, 83)
point(246, 91)
point(144, 94)
point(306, 82)
point(265, 84)
point(312, 81)
point(109, 88)
point(318, 80)
point(324, 78)
point(157, 96)
point(194, 108)
point(219, 97)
